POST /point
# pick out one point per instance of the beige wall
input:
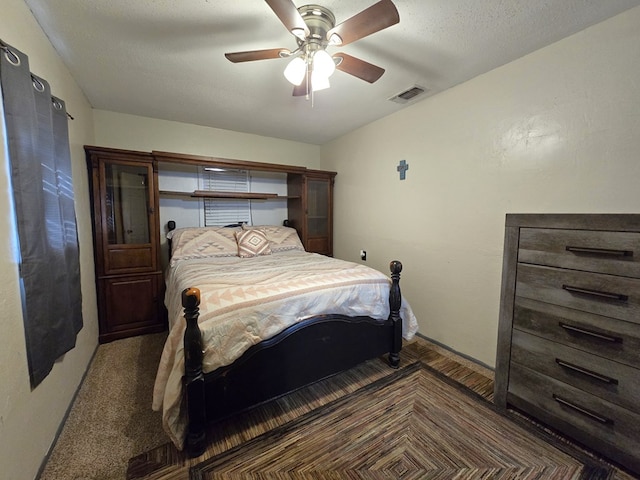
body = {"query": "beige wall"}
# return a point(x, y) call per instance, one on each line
point(29, 419)
point(555, 131)
point(132, 132)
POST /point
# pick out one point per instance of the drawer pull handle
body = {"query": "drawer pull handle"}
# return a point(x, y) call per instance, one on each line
point(584, 371)
point(596, 293)
point(601, 251)
point(584, 411)
point(597, 335)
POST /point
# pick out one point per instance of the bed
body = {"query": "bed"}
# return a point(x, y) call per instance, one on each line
point(252, 316)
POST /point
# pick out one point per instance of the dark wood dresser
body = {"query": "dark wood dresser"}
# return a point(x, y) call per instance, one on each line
point(569, 332)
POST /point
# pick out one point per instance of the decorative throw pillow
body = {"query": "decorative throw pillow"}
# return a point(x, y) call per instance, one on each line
point(202, 242)
point(252, 243)
point(280, 238)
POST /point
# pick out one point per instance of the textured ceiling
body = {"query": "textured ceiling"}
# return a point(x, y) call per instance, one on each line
point(165, 59)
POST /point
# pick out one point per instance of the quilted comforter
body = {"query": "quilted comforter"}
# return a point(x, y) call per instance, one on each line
point(247, 300)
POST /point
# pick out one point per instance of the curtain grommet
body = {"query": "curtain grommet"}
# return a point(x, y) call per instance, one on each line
point(37, 84)
point(12, 58)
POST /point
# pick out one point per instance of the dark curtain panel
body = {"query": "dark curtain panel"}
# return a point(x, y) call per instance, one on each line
point(38, 146)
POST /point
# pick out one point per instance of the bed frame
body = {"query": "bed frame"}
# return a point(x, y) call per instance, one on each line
point(304, 353)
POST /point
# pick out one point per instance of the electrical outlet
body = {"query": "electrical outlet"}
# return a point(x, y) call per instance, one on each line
point(363, 254)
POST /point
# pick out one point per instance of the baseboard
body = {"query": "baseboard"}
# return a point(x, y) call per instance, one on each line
point(463, 355)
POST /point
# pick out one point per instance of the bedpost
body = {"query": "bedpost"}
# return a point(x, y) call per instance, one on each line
point(193, 379)
point(395, 301)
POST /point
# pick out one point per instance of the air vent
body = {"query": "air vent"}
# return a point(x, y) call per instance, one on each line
point(409, 94)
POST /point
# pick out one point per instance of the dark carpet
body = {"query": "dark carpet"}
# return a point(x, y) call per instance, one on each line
point(374, 423)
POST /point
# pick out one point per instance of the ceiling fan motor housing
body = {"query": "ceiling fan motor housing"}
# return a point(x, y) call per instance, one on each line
point(319, 20)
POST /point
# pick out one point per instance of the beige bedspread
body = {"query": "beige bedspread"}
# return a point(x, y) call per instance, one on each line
point(247, 300)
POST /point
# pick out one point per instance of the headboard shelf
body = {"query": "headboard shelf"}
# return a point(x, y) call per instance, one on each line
point(249, 195)
point(212, 194)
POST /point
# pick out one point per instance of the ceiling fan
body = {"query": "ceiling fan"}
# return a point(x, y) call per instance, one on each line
point(315, 29)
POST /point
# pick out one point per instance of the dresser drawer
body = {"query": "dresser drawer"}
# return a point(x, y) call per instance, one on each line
point(607, 295)
point(611, 338)
point(569, 329)
point(612, 381)
point(593, 251)
point(593, 421)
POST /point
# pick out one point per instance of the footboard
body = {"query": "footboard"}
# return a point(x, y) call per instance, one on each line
point(304, 353)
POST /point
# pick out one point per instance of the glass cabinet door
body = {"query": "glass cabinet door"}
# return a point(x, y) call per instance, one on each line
point(127, 217)
point(317, 207)
point(127, 203)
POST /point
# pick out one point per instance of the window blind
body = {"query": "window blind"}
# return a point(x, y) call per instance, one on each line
point(223, 211)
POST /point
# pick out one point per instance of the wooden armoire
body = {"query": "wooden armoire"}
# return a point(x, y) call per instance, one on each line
point(126, 227)
point(126, 242)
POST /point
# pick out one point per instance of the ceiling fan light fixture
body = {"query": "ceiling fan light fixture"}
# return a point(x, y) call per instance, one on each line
point(323, 64)
point(319, 81)
point(295, 71)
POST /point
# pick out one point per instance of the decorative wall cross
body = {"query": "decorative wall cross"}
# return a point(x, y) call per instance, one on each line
point(403, 166)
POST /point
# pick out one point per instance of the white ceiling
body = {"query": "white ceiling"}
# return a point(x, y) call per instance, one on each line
point(165, 58)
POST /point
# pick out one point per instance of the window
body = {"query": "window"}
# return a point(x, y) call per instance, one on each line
point(226, 211)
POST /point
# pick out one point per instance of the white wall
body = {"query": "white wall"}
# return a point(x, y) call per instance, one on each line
point(555, 131)
point(29, 419)
point(188, 211)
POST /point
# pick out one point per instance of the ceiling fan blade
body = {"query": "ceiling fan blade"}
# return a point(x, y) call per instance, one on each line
point(304, 87)
point(300, 91)
point(358, 68)
point(252, 55)
point(290, 17)
point(371, 20)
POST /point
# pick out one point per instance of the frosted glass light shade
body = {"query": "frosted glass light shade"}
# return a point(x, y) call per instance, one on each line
point(323, 63)
point(319, 81)
point(295, 71)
